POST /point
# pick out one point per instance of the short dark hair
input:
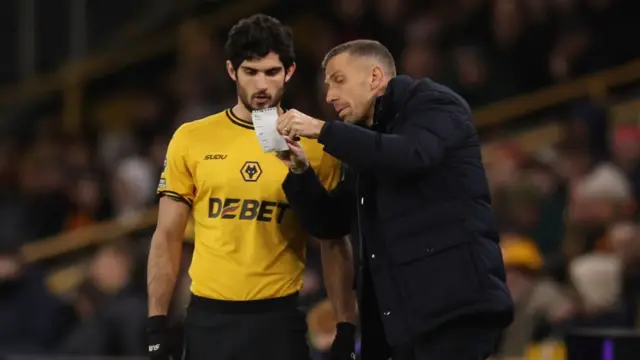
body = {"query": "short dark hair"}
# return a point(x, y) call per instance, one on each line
point(364, 48)
point(255, 37)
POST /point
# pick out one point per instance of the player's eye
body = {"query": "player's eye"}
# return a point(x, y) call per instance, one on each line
point(250, 72)
point(273, 72)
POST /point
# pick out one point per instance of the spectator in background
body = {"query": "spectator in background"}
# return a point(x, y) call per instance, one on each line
point(42, 182)
point(572, 164)
point(551, 204)
point(485, 49)
point(509, 50)
point(133, 186)
point(420, 60)
point(350, 18)
point(77, 157)
point(597, 201)
point(607, 281)
point(540, 303)
point(390, 16)
point(475, 77)
point(13, 212)
point(625, 144)
point(28, 313)
point(596, 278)
point(625, 240)
point(114, 316)
point(88, 203)
point(567, 60)
point(322, 329)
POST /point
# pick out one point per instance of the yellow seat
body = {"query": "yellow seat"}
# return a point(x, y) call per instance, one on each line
point(548, 350)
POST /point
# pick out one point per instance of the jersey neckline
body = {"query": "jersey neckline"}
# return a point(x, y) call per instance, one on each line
point(238, 121)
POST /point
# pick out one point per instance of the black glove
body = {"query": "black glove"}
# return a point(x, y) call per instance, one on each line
point(344, 344)
point(157, 336)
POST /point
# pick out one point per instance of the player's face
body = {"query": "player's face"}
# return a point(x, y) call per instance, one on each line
point(260, 83)
point(350, 87)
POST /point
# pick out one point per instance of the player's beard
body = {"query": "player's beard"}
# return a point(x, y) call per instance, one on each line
point(246, 99)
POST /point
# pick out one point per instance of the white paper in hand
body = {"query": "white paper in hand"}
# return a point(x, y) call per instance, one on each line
point(265, 123)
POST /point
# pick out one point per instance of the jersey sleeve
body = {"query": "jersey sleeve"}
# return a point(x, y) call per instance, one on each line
point(329, 171)
point(176, 180)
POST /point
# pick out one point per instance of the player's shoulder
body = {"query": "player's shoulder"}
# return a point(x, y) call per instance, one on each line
point(312, 148)
point(311, 145)
point(196, 127)
point(316, 154)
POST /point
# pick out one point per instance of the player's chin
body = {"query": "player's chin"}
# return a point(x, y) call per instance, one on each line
point(262, 104)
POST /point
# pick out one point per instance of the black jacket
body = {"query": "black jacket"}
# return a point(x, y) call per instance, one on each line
point(416, 194)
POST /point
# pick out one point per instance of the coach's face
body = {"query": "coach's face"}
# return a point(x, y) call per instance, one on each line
point(260, 82)
point(352, 84)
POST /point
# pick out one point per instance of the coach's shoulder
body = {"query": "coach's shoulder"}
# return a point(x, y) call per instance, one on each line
point(441, 110)
point(407, 95)
point(433, 95)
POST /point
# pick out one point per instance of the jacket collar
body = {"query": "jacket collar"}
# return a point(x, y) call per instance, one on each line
point(396, 95)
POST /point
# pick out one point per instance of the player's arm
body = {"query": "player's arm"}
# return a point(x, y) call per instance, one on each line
point(165, 254)
point(176, 191)
point(337, 262)
point(337, 270)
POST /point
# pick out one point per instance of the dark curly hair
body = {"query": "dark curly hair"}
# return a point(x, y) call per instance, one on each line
point(255, 37)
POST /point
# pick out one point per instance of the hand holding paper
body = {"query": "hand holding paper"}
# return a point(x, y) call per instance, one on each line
point(265, 125)
point(294, 158)
point(294, 123)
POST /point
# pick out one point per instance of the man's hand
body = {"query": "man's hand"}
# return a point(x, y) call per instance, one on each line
point(344, 344)
point(294, 123)
point(157, 336)
point(294, 158)
point(165, 342)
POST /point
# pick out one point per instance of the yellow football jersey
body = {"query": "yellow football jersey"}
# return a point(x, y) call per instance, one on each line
point(248, 244)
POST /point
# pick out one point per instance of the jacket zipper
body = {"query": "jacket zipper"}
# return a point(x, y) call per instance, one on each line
point(360, 272)
point(358, 204)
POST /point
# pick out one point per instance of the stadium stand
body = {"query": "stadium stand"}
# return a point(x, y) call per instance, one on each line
point(555, 91)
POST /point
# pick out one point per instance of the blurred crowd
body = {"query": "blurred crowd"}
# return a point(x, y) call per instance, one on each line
point(570, 234)
point(568, 214)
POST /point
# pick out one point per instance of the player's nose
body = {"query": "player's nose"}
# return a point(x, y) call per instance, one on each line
point(261, 82)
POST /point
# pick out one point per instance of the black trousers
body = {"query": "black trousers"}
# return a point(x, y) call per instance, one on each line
point(459, 340)
point(248, 330)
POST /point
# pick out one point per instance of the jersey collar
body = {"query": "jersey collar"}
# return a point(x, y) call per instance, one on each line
point(241, 122)
point(238, 121)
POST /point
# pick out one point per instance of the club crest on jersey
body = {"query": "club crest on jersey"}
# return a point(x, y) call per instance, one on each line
point(251, 171)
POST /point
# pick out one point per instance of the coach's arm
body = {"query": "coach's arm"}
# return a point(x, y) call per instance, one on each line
point(432, 123)
point(325, 215)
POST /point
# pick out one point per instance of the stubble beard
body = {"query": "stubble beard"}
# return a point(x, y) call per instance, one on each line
point(245, 99)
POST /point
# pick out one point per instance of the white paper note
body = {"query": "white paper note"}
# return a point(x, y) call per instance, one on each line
point(265, 123)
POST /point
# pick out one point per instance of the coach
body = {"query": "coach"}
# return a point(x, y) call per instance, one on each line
point(415, 192)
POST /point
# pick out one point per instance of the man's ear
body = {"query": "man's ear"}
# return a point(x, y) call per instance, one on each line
point(290, 72)
point(231, 71)
point(377, 77)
